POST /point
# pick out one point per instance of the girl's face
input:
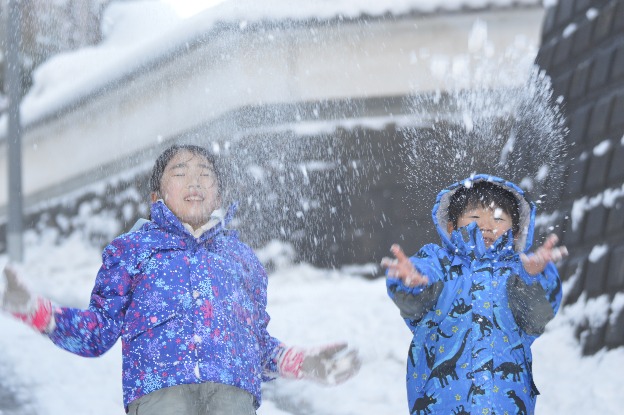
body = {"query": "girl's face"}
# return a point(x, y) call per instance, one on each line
point(189, 188)
point(492, 221)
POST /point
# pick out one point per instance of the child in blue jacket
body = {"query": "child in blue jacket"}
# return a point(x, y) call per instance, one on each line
point(476, 303)
point(188, 300)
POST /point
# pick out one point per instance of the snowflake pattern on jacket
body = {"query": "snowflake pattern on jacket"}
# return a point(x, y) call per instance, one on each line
point(187, 310)
point(474, 323)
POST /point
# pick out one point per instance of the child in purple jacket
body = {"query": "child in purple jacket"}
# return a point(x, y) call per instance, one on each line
point(188, 300)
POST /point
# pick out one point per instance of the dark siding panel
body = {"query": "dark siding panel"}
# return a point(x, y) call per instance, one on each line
point(589, 74)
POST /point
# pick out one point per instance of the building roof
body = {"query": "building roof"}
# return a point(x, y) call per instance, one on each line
point(139, 35)
point(328, 9)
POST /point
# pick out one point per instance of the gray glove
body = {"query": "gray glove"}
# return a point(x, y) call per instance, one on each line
point(20, 302)
point(329, 365)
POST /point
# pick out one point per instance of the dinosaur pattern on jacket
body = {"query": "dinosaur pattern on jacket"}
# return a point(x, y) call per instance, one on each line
point(483, 365)
point(187, 310)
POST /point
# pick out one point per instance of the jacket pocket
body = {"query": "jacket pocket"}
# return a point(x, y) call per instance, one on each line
point(137, 326)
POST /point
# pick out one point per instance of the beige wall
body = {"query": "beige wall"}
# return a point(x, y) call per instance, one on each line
point(380, 58)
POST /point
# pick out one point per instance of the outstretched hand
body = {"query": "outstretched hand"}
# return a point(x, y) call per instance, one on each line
point(536, 262)
point(328, 365)
point(402, 268)
point(17, 297)
point(19, 301)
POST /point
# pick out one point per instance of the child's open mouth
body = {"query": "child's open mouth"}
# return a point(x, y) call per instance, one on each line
point(194, 199)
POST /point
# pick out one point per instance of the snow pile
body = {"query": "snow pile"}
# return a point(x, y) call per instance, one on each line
point(309, 306)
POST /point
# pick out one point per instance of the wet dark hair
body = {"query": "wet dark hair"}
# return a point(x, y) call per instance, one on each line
point(484, 194)
point(165, 157)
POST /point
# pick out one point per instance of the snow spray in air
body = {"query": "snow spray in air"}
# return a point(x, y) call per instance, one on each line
point(288, 168)
point(517, 133)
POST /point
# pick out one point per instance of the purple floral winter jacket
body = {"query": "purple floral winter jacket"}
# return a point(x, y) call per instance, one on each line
point(187, 310)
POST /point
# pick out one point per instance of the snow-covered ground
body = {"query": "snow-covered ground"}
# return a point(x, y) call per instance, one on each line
point(309, 306)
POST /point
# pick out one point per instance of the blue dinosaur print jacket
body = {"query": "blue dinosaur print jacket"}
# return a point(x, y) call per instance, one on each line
point(474, 323)
point(187, 310)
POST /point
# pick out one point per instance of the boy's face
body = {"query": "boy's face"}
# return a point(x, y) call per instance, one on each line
point(189, 188)
point(492, 221)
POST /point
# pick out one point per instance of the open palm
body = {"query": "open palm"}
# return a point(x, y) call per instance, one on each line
point(402, 268)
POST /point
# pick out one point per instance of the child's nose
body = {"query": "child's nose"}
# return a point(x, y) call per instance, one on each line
point(485, 225)
point(194, 180)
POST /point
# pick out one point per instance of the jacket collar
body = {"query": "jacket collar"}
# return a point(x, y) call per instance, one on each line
point(165, 218)
point(468, 241)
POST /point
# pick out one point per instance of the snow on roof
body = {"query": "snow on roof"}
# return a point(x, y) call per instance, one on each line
point(139, 34)
point(329, 9)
